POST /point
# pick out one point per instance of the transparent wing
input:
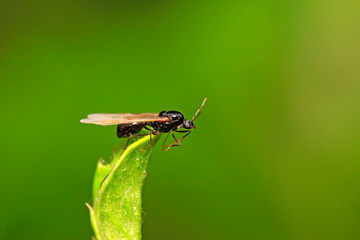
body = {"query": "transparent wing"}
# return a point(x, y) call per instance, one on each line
point(122, 118)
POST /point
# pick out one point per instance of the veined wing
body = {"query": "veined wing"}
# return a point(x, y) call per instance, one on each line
point(122, 118)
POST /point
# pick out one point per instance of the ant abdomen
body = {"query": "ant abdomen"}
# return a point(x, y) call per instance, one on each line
point(126, 130)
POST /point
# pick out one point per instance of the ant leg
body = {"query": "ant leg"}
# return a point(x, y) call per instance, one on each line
point(151, 132)
point(148, 144)
point(172, 132)
point(117, 148)
point(176, 140)
point(127, 142)
point(172, 145)
point(163, 146)
point(131, 136)
point(148, 128)
point(183, 131)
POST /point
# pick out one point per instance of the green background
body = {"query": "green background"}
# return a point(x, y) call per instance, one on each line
point(276, 152)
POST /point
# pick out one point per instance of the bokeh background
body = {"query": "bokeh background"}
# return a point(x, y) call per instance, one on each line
point(276, 152)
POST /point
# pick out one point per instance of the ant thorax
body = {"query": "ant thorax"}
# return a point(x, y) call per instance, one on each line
point(176, 119)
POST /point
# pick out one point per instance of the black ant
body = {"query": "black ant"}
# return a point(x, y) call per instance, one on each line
point(130, 124)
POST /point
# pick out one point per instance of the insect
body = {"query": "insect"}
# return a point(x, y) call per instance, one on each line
point(130, 124)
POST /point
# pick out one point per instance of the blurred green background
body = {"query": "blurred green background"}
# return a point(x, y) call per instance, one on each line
point(276, 152)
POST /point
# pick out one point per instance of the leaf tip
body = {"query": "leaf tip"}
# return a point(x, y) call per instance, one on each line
point(89, 206)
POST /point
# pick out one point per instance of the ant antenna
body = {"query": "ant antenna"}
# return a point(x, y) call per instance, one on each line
point(198, 112)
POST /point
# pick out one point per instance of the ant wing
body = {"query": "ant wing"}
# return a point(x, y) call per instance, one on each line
point(122, 118)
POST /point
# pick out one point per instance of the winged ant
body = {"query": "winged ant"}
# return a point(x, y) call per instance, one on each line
point(130, 124)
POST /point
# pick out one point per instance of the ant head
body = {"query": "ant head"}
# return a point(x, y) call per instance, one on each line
point(188, 124)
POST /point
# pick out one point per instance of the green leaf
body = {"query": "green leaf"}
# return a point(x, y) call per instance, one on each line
point(102, 170)
point(117, 212)
point(95, 223)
